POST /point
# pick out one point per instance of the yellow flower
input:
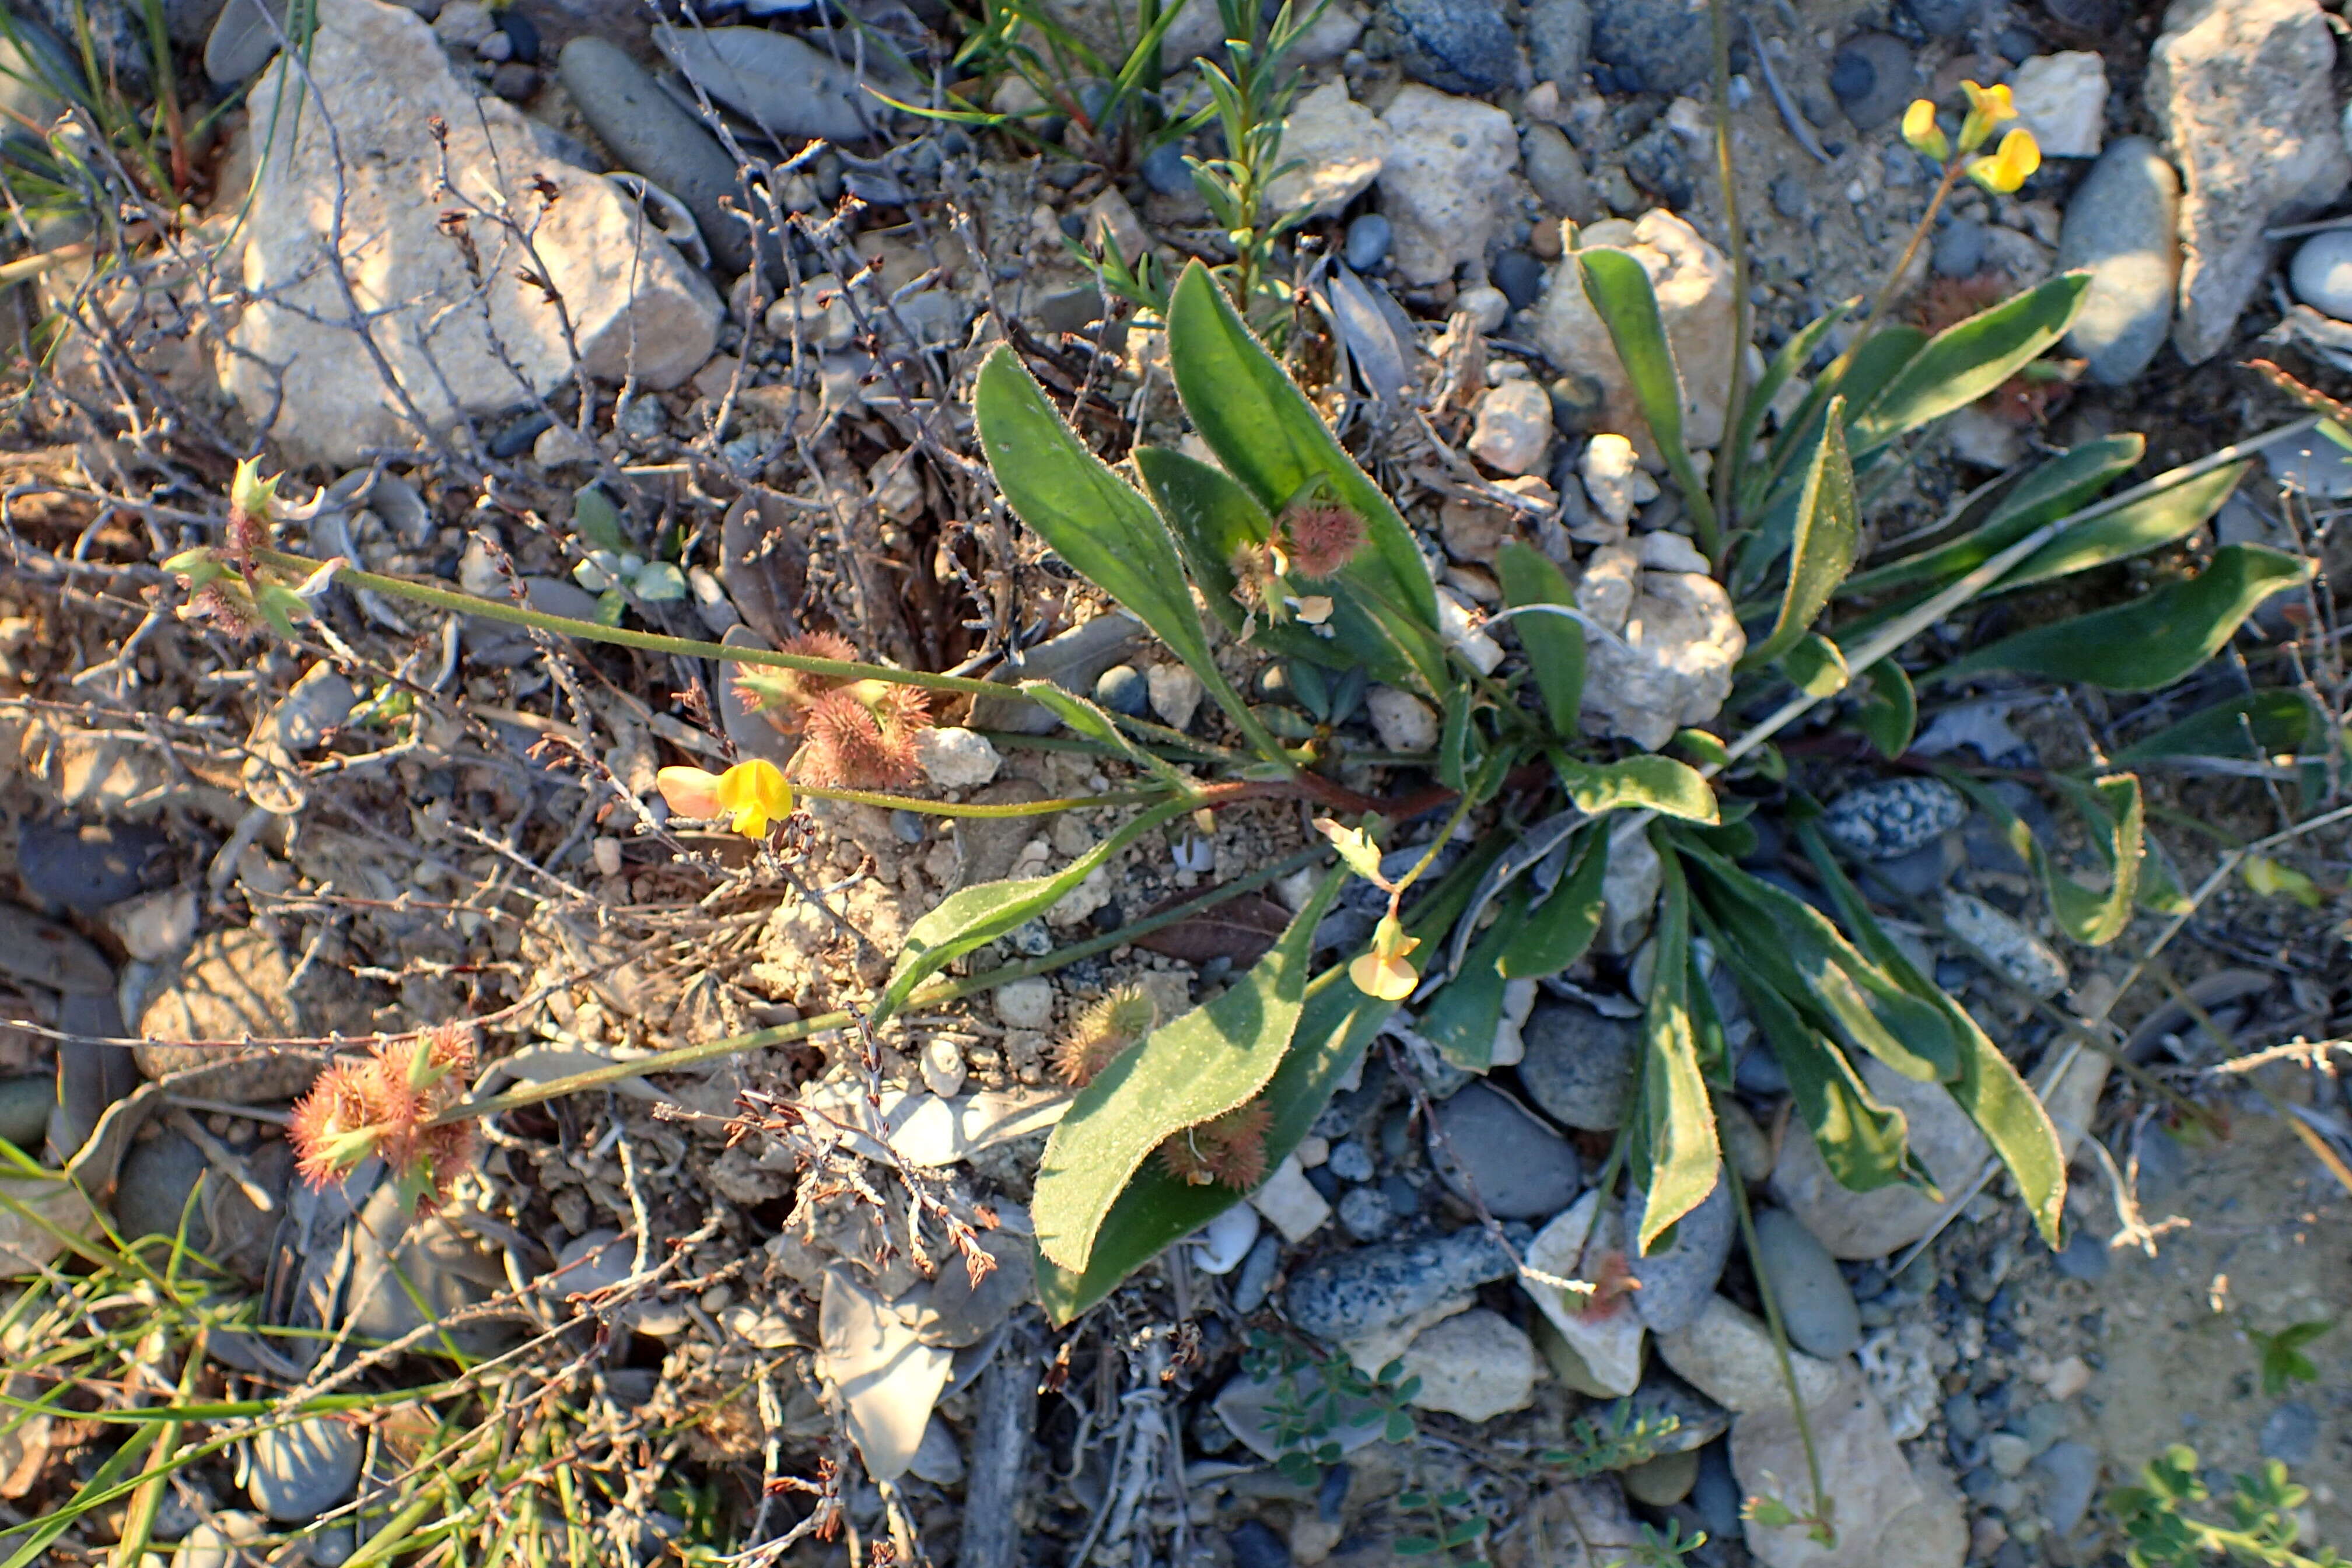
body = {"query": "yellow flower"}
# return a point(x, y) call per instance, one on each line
point(1988, 107)
point(754, 793)
point(1920, 130)
point(1384, 972)
point(691, 792)
point(2010, 167)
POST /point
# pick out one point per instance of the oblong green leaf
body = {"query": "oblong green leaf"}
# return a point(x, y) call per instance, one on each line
point(2051, 491)
point(1557, 931)
point(1679, 1162)
point(1820, 552)
point(1649, 783)
point(1269, 437)
point(1817, 666)
point(971, 916)
point(1619, 289)
point(2153, 640)
point(1968, 359)
point(2134, 530)
point(1889, 714)
point(2112, 808)
point(1555, 644)
point(2260, 724)
point(1183, 1073)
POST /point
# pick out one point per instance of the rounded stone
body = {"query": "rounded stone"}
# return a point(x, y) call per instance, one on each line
point(1122, 689)
point(1580, 1065)
point(1872, 78)
point(1516, 1166)
point(2122, 225)
point(1520, 277)
point(1891, 817)
point(1454, 46)
point(2322, 273)
point(1367, 245)
point(1816, 1303)
point(301, 1470)
point(654, 136)
point(1165, 170)
point(1663, 1481)
point(1678, 1281)
point(1959, 249)
point(25, 1102)
point(1653, 47)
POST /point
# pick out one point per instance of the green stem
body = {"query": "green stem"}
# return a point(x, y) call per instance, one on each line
point(950, 808)
point(1886, 291)
point(1780, 1343)
point(948, 991)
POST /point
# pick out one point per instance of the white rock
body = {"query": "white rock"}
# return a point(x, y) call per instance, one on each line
point(1081, 901)
point(956, 758)
point(560, 443)
point(2016, 951)
point(1402, 720)
point(943, 1066)
point(1629, 886)
point(381, 76)
point(1871, 1224)
point(1672, 666)
point(314, 706)
point(1666, 551)
point(2062, 99)
point(1025, 1004)
point(1614, 478)
point(1175, 693)
point(2243, 91)
point(155, 927)
point(1609, 1342)
point(1290, 1201)
point(1487, 308)
point(1693, 284)
point(1983, 438)
point(1219, 1247)
point(1612, 576)
point(1446, 184)
point(1867, 1478)
point(1514, 427)
point(1341, 145)
point(1459, 630)
point(711, 601)
point(887, 1379)
point(1727, 1355)
point(465, 23)
point(2322, 273)
point(1476, 1365)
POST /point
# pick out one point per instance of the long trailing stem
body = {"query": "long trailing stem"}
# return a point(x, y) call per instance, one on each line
point(1780, 1345)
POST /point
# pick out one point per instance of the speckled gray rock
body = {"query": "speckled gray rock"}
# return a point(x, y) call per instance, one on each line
point(1664, 46)
point(2019, 954)
point(1815, 1302)
point(1678, 1282)
point(2123, 224)
point(1518, 1167)
point(1457, 45)
point(1892, 816)
point(1559, 37)
point(1375, 1290)
point(650, 134)
point(1578, 1068)
point(301, 1470)
point(1874, 76)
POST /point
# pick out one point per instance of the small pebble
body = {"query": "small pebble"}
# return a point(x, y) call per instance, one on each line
point(1255, 1544)
point(1872, 78)
point(1255, 1280)
point(1122, 689)
point(1221, 1245)
point(1165, 170)
point(1520, 277)
point(1351, 1161)
point(1959, 250)
point(1663, 1481)
point(2291, 1433)
point(301, 1470)
point(1790, 198)
point(1364, 1213)
point(2322, 273)
point(1815, 1299)
point(1367, 245)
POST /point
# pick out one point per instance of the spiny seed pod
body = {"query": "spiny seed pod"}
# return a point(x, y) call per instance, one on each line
point(226, 605)
point(384, 1105)
point(1098, 1036)
point(1228, 1150)
point(784, 696)
point(251, 499)
point(1322, 538)
point(861, 736)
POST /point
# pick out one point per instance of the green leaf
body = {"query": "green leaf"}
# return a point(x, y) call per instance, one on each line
point(659, 583)
point(1968, 359)
point(2153, 640)
point(1649, 783)
point(2052, 491)
point(1461, 1020)
point(1212, 518)
point(1822, 551)
point(1818, 666)
point(1889, 714)
point(1092, 519)
point(2144, 525)
point(1987, 1087)
point(611, 606)
point(2112, 810)
point(2283, 1358)
point(1555, 645)
point(1269, 437)
point(595, 518)
point(2278, 720)
point(1454, 737)
point(965, 918)
point(1705, 749)
point(2271, 879)
point(1084, 718)
point(1183, 1073)
point(1619, 289)
point(1557, 931)
point(1677, 1119)
point(1356, 848)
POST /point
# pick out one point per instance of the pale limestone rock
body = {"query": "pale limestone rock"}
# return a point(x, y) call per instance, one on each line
point(1446, 183)
point(956, 758)
point(1871, 1224)
point(1475, 1365)
point(1514, 427)
point(1670, 666)
point(1340, 145)
point(1693, 284)
point(2062, 99)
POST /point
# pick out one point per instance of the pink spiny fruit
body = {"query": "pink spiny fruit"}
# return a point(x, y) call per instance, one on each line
point(784, 696)
point(1322, 538)
point(1228, 1149)
point(861, 736)
point(1100, 1033)
point(381, 1105)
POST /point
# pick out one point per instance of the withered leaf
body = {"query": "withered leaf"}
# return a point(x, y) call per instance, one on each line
point(1240, 928)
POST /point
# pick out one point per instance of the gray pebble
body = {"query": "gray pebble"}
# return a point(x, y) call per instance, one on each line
point(1255, 1544)
point(1943, 18)
point(1516, 1166)
point(2070, 1473)
point(1892, 816)
point(1678, 1282)
point(1520, 277)
point(1872, 78)
point(1716, 1495)
point(2320, 275)
point(1961, 1414)
point(2291, 1433)
point(25, 1102)
point(1121, 689)
point(1924, 869)
point(1790, 198)
point(653, 135)
point(1815, 1299)
point(1699, 1420)
point(1367, 245)
point(1255, 1278)
point(1349, 1295)
point(1653, 47)
point(1364, 1213)
point(1165, 170)
point(1559, 40)
point(2085, 1257)
point(88, 866)
point(301, 1470)
point(1454, 46)
point(1959, 249)
point(1351, 1161)
point(1579, 1067)
point(2123, 224)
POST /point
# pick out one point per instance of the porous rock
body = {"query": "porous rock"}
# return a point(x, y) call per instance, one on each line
point(1446, 184)
point(1339, 145)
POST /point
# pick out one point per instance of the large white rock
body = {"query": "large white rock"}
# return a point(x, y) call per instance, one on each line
point(1871, 1492)
point(1339, 145)
point(1447, 184)
point(1728, 1355)
point(1669, 661)
point(380, 75)
point(2241, 88)
point(1693, 283)
point(1607, 1342)
point(2062, 99)
point(1476, 1365)
point(1514, 427)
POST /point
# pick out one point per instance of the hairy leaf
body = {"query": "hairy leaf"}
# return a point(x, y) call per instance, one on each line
point(1677, 1118)
point(2259, 725)
point(1557, 931)
point(1649, 783)
point(1889, 714)
point(1619, 289)
point(2052, 491)
point(1968, 359)
point(1821, 552)
point(1555, 644)
point(2153, 640)
point(1790, 360)
point(2112, 809)
point(2130, 530)
point(1183, 1073)
point(1818, 666)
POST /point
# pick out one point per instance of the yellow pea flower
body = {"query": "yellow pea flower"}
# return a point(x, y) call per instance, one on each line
point(1384, 972)
point(754, 793)
point(691, 792)
point(1920, 130)
point(2010, 167)
point(1988, 107)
